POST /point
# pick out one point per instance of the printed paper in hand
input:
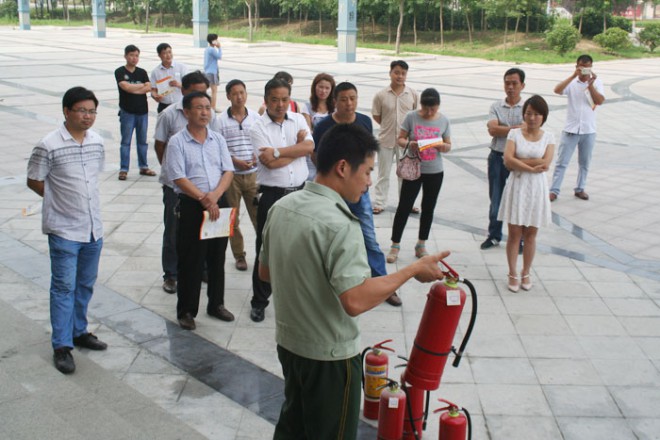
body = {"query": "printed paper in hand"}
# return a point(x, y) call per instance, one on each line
point(425, 144)
point(222, 227)
point(164, 87)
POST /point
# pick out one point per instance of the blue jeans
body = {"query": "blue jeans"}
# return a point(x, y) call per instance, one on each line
point(585, 145)
point(130, 122)
point(497, 175)
point(362, 210)
point(74, 267)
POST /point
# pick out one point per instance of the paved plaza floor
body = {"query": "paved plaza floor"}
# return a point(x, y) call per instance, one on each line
point(577, 357)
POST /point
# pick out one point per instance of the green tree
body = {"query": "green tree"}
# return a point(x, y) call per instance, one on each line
point(650, 35)
point(613, 39)
point(563, 36)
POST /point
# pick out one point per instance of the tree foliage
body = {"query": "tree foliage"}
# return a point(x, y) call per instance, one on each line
point(613, 39)
point(650, 35)
point(563, 36)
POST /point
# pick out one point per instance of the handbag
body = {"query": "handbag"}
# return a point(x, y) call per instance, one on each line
point(409, 167)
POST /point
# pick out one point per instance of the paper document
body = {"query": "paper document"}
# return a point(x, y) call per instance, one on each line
point(222, 227)
point(164, 87)
point(425, 144)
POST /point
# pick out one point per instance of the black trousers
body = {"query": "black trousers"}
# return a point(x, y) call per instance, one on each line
point(261, 290)
point(192, 253)
point(430, 185)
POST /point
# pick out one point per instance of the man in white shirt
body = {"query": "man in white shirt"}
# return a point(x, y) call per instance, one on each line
point(167, 72)
point(281, 141)
point(234, 125)
point(64, 169)
point(585, 92)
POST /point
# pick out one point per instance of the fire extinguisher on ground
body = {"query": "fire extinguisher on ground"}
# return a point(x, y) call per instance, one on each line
point(453, 424)
point(391, 411)
point(376, 364)
point(435, 335)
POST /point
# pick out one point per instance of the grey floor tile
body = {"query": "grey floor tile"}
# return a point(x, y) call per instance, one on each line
point(588, 428)
point(503, 371)
point(566, 372)
point(638, 401)
point(513, 400)
point(632, 372)
point(580, 401)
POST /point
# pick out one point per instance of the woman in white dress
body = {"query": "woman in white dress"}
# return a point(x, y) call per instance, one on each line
point(525, 204)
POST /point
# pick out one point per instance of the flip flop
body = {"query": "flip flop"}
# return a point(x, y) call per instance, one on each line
point(377, 210)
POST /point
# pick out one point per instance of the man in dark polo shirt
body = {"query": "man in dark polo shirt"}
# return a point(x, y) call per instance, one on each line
point(133, 84)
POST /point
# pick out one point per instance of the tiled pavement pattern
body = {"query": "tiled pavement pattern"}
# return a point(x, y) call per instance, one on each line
point(578, 357)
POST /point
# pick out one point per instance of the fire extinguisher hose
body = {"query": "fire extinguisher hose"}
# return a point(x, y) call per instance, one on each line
point(469, 423)
point(473, 318)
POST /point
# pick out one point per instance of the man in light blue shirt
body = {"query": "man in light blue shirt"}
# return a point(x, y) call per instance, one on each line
point(199, 164)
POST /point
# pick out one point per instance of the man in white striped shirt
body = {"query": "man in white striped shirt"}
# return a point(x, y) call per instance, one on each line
point(64, 169)
point(235, 124)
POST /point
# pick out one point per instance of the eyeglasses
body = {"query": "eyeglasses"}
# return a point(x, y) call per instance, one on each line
point(84, 111)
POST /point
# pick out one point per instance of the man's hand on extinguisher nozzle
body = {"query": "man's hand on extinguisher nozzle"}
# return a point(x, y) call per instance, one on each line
point(427, 269)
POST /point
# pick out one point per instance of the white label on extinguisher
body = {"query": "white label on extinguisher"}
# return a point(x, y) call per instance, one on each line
point(393, 402)
point(453, 297)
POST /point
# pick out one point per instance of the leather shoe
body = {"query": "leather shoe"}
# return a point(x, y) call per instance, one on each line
point(187, 322)
point(90, 341)
point(241, 264)
point(489, 243)
point(257, 314)
point(221, 313)
point(553, 197)
point(582, 195)
point(394, 300)
point(169, 285)
point(64, 360)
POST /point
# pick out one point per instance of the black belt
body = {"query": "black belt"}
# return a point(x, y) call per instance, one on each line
point(278, 190)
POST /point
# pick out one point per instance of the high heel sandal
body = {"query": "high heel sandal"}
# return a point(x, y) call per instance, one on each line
point(420, 250)
point(393, 254)
point(525, 285)
point(513, 287)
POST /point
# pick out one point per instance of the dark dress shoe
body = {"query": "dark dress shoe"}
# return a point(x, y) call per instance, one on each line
point(394, 300)
point(489, 243)
point(169, 286)
point(187, 322)
point(222, 314)
point(582, 195)
point(257, 314)
point(90, 341)
point(241, 264)
point(64, 360)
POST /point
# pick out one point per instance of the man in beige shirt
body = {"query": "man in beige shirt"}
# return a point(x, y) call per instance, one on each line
point(389, 108)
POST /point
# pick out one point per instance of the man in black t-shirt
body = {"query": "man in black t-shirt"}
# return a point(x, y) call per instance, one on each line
point(345, 105)
point(133, 84)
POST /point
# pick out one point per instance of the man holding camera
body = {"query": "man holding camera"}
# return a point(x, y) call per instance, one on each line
point(584, 91)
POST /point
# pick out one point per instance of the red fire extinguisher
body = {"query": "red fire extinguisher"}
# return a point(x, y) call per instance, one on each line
point(376, 364)
point(453, 424)
point(414, 421)
point(391, 411)
point(436, 331)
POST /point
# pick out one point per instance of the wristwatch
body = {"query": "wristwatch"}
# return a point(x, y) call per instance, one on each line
point(276, 153)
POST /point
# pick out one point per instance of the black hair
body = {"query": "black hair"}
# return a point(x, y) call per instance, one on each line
point(211, 38)
point(348, 142)
point(516, 71)
point(284, 76)
point(585, 59)
point(188, 99)
point(131, 48)
point(330, 101)
point(162, 46)
point(77, 94)
point(232, 83)
point(275, 83)
point(430, 97)
point(399, 63)
point(342, 87)
point(537, 103)
point(192, 78)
